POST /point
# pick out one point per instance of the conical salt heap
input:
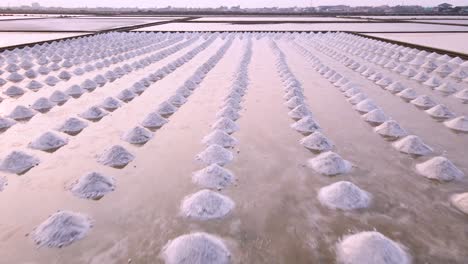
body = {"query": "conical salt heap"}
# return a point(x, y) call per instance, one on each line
point(64, 75)
point(18, 162)
point(306, 125)
point(459, 124)
point(75, 91)
point(220, 138)
point(43, 70)
point(463, 95)
point(89, 85)
point(137, 135)
point(15, 77)
point(78, 71)
point(352, 92)
point(317, 142)
point(93, 186)
point(299, 112)
point(350, 85)
point(48, 142)
point(370, 248)
point(439, 168)
point(329, 163)
point(421, 77)
point(357, 98)
point(440, 111)
point(429, 66)
point(184, 91)
point(391, 129)
point(433, 82)
point(42, 105)
point(116, 156)
point(59, 97)
point(366, 106)
point(196, 248)
point(14, 91)
point(51, 80)
point(31, 74)
point(386, 81)
point(409, 73)
point(444, 70)
point(423, 101)
point(138, 88)
point(166, 109)
point(126, 95)
point(293, 93)
point(408, 94)
point(177, 100)
point(5, 123)
point(460, 201)
point(215, 154)
point(34, 85)
point(154, 120)
point(412, 145)
point(100, 80)
point(62, 229)
point(395, 87)
point(206, 205)
point(110, 104)
point(344, 195)
point(213, 177)
point(226, 125)
point(294, 102)
point(94, 113)
point(376, 77)
point(21, 113)
point(459, 74)
point(447, 88)
point(376, 116)
point(72, 126)
point(228, 112)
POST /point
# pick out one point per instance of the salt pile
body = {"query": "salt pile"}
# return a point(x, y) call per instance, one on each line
point(15, 77)
point(376, 116)
point(460, 201)
point(34, 85)
point(21, 113)
point(72, 126)
point(300, 112)
point(51, 80)
point(391, 129)
point(463, 95)
point(177, 100)
point(116, 156)
point(408, 94)
point(421, 77)
point(226, 125)
point(447, 88)
point(395, 87)
point(59, 97)
point(215, 154)
point(351, 92)
point(206, 205)
point(31, 74)
point(14, 91)
point(137, 135)
point(317, 142)
point(221, 138)
point(5, 123)
point(357, 98)
point(366, 106)
point(75, 91)
point(100, 80)
point(384, 82)
point(110, 104)
point(42, 105)
point(329, 163)
point(94, 113)
point(412, 145)
point(93, 186)
point(213, 177)
point(62, 229)
point(344, 195)
point(433, 82)
point(18, 162)
point(439, 168)
point(48, 142)
point(294, 102)
point(166, 109)
point(153, 121)
point(459, 124)
point(228, 112)
point(196, 248)
point(440, 111)
point(126, 95)
point(306, 125)
point(370, 248)
point(64, 75)
point(409, 73)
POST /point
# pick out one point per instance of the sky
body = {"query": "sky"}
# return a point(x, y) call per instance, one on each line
point(216, 3)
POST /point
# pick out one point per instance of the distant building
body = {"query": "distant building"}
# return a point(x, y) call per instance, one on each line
point(444, 8)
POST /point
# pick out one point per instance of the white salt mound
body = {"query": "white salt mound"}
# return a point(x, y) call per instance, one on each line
point(329, 163)
point(14, 91)
point(412, 145)
point(94, 113)
point(177, 100)
point(75, 91)
point(357, 98)
point(460, 201)
point(440, 111)
point(228, 112)
point(213, 177)
point(93, 186)
point(370, 248)
point(59, 97)
point(73, 126)
point(166, 109)
point(439, 168)
point(306, 125)
point(110, 104)
point(299, 112)
point(42, 104)
point(126, 95)
point(196, 248)
point(344, 195)
point(408, 94)
point(390, 128)
point(294, 102)
point(137, 135)
point(226, 125)
point(463, 95)
point(18, 162)
point(366, 106)
point(62, 229)
point(48, 142)
point(6, 123)
point(21, 113)
point(395, 87)
point(376, 116)
point(459, 124)
point(154, 120)
point(34, 85)
point(116, 156)
point(317, 142)
point(221, 138)
point(215, 154)
point(206, 205)
point(423, 101)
